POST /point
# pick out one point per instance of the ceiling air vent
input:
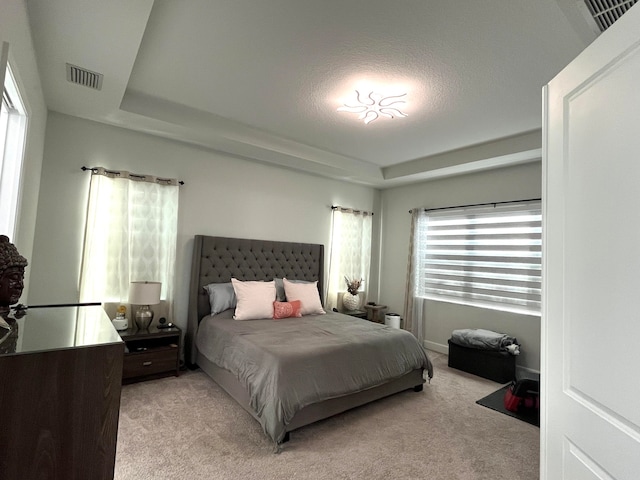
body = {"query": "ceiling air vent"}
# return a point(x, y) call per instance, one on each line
point(82, 76)
point(606, 12)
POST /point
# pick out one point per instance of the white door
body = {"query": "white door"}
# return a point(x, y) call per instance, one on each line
point(590, 422)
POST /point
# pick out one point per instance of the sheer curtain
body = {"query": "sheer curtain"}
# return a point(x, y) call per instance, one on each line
point(350, 254)
point(413, 304)
point(131, 234)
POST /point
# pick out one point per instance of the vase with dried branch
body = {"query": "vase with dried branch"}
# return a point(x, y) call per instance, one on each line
point(351, 299)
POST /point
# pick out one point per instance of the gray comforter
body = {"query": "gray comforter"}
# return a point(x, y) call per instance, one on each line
point(288, 364)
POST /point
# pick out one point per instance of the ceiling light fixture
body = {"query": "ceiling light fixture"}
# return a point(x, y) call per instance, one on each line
point(373, 105)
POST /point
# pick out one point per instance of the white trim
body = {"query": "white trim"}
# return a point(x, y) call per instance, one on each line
point(544, 310)
point(436, 347)
point(4, 61)
point(13, 148)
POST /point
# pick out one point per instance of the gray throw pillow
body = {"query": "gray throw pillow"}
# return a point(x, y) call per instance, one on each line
point(280, 295)
point(221, 297)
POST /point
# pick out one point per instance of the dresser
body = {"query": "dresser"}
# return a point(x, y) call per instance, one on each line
point(60, 381)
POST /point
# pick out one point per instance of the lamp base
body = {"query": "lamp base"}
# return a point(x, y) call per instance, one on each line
point(144, 317)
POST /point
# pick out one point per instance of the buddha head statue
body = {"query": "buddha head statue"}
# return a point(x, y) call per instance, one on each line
point(12, 266)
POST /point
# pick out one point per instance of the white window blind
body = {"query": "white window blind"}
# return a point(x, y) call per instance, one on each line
point(483, 256)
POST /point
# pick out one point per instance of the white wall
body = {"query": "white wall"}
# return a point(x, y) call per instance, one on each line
point(513, 183)
point(14, 29)
point(222, 196)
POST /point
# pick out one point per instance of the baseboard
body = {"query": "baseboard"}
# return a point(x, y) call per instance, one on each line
point(436, 347)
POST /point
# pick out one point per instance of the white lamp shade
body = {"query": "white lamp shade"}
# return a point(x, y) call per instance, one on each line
point(144, 293)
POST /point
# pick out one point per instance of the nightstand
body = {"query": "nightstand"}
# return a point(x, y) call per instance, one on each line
point(150, 354)
point(353, 313)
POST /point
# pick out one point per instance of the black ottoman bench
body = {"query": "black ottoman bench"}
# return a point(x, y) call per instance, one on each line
point(491, 364)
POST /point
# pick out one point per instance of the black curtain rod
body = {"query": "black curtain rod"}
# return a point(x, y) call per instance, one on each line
point(115, 172)
point(336, 207)
point(482, 204)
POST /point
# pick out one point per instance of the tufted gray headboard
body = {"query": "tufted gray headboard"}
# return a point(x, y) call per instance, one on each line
point(217, 259)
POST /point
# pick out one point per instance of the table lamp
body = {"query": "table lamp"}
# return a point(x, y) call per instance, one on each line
point(144, 294)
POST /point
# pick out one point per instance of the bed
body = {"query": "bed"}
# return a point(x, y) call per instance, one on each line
point(312, 367)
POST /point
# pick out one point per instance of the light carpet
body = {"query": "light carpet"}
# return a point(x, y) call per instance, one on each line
point(189, 428)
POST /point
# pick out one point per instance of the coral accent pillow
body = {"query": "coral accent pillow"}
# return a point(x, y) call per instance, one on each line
point(254, 299)
point(308, 295)
point(287, 309)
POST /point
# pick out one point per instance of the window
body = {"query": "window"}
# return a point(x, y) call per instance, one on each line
point(484, 256)
point(131, 235)
point(350, 255)
point(13, 123)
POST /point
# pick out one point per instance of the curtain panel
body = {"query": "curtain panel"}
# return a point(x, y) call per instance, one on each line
point(350, 254)
point(413, 304)
point(130, 235)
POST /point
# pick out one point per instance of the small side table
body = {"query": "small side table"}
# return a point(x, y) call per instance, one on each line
point(150, 354)
point(375, 313)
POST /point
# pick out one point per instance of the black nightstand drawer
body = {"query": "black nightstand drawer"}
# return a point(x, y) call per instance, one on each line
point(150, 362)
point(151, 353)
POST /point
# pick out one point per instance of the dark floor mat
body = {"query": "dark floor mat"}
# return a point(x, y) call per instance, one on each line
point(495, 401)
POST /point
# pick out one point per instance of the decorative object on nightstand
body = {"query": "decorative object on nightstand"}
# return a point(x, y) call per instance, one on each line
point(144, 294)
point(162, 323)
point(121, 322)
point(351, 300)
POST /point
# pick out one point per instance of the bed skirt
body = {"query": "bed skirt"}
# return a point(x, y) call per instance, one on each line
point(317, 411)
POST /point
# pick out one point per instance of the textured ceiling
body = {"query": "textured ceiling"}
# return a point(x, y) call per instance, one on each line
point(263, 79)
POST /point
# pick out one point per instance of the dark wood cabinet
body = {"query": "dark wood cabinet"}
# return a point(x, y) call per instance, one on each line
point(150, 354)
point(60, 396)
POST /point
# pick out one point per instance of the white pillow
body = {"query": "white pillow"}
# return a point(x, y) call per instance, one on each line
point(255, 299)
point(308, 295)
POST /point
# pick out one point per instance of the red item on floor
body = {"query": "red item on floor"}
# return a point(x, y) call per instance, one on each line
point(522, 395)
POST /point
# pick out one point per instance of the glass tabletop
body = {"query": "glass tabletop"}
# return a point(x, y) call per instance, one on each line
point(57, 327)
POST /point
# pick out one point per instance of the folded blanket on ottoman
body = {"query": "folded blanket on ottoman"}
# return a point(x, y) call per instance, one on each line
point(485, 340)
